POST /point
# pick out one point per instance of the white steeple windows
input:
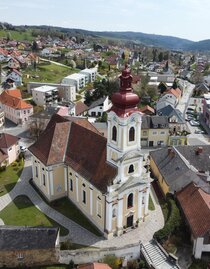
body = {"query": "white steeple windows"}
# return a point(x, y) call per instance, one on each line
point(131, 134)
point(114, 133)
point(131, 169)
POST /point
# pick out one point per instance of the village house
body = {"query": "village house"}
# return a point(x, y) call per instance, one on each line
point(13, 64)
point(154, 131)
point(104, 178)
point(9, 149)
point(15, 76)
point(176, 167)
point(45, 95)
point(15, 109)
point(195, 205)
point(28, 246)
point(98, 107)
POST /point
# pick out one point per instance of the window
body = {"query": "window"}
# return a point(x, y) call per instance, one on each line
point(144, 133)
point(114, 133)
point(24, 112)
point(36, 171)
point(43, 180)
point(10, 149)
point(132, 134)
point(71, 185)
point(84, 197)
point(20, 256)
point(99, 114)
point(154, 133)
point(130, 200)
point(114, 212)
point(162, 132)
point(131, 169)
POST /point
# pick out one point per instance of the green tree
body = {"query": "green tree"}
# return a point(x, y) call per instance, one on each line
point(160, 56)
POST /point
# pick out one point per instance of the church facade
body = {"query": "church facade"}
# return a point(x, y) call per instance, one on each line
point(104, 178)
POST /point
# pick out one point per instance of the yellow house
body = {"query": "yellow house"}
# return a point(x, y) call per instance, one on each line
point(154, 131)
point(171, 169)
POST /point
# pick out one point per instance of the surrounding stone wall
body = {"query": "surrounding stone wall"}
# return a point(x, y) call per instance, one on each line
point(27, 258)
point(81, 256)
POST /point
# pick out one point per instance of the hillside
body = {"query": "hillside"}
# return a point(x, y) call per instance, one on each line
point(167, 42)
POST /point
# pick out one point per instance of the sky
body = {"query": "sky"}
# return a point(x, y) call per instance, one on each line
point(187, 19)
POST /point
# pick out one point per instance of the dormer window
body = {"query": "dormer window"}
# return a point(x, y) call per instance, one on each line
point(114, 133)
point(131, 134)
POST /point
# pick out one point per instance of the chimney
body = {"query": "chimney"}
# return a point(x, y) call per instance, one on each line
point(199, 150)
point(171, 152)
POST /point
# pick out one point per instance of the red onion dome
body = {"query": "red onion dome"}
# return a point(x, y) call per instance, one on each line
point(125, 101)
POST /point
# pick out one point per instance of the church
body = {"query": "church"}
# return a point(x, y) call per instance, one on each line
point(104, 178)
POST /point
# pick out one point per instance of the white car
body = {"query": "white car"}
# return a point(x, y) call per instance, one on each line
point(194, 123)
point(23, 149)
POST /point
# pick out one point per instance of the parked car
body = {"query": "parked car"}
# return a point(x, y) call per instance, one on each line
point(194, 123)
point(23, 149)
point(199, 132)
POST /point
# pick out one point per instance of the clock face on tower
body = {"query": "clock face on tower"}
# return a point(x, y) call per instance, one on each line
point(115, 118)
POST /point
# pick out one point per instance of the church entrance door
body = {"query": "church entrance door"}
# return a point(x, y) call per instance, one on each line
point(130, 221)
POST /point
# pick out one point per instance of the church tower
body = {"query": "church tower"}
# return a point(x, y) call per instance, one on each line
point(124, 130)
point(128, 195)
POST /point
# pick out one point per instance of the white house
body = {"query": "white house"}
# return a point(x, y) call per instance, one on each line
point(91, 73)
point(9, 149)
point(78, 80)
point(15, 109)
point(97, 108)
point(45, 95)
point(195, 204)
point(13, 63)
point(15, 76)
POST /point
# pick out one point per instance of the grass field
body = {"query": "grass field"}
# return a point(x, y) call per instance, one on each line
point(22, 212)
point(47, 72)
point(16, 35)
point(10, 176)
point(68, 209)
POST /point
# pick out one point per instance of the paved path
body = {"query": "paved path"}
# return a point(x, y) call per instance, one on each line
point(77, 233)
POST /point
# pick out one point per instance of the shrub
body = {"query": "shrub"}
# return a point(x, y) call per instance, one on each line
point(112, 261)
point(3, 168)
point(171, 224)
point(14, 164)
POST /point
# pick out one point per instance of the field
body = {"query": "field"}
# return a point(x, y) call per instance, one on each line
point(47, 72)
point(16, 35)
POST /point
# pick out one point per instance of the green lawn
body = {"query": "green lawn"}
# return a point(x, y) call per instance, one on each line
point(68, 209)
point(47, 72)
point(17, 35)
point(21, 211)
point(10, 176)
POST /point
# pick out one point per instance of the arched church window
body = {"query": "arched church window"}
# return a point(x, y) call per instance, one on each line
point(130, 200)
point(114, 133)
point(132, 134)
point(131, 169)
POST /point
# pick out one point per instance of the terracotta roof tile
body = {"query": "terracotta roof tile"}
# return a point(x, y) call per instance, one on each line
point(77, 144)
point(195, 205)
point(7, 140)
point(94, 265)
point(8, 98)
point(80, 107)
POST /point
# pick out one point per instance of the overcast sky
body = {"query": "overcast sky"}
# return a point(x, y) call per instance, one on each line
point(182, 18)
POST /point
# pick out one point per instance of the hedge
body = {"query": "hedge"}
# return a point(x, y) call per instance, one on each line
point(171, 224)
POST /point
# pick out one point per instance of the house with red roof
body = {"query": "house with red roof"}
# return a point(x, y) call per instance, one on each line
point(195, 205)
point(15, 108)
point(9, 149)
